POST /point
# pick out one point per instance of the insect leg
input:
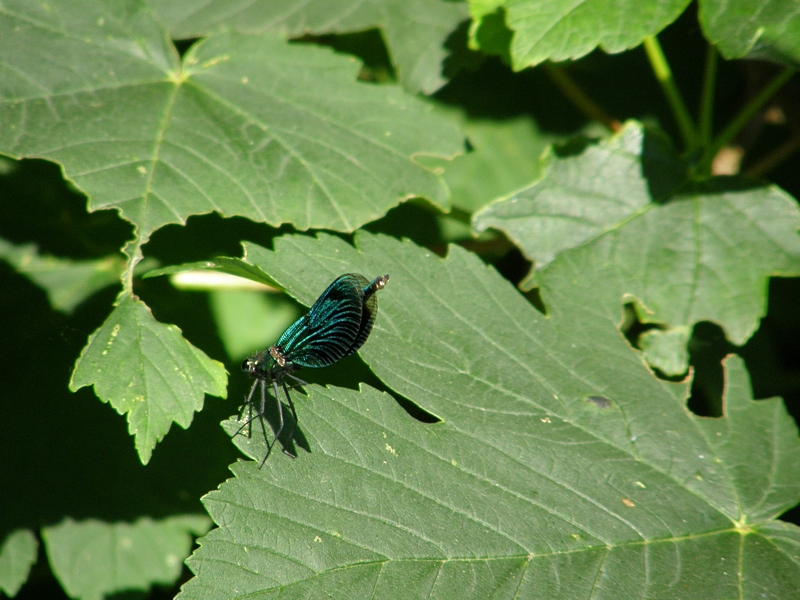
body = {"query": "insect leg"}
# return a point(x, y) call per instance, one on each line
point(297, 380)
point(249, 405)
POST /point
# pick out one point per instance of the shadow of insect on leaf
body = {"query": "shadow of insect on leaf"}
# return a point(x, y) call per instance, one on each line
point(336, 325)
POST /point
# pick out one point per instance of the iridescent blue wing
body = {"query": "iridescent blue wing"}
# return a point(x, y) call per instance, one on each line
point(368, 313)
point(331, 327)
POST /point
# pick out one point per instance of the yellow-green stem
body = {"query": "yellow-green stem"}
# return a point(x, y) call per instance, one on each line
point(663, 73)
point(577, 96)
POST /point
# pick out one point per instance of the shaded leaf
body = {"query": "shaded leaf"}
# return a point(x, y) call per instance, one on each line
point(560, 30)
point(17, 556)
point(524, 489)
point(67, 282)
point(250, 321)
point(505, 157)
point(147, 370)
point(93, 559)
point(415, 30)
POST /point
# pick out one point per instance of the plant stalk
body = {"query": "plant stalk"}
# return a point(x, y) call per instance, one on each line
point(774, 158)
point(577, 96)
point(748, 112)
point(663, 73)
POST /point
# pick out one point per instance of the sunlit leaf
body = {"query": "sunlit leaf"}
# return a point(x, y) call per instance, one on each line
point(415, 31)
point(684, 255)
point(147, 371)
point(561, 467)
point(245, 125)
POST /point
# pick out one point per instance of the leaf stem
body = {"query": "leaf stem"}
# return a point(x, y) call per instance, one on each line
point(663, 73)
point(578, 97)
point(707, 98)
point(748, 112)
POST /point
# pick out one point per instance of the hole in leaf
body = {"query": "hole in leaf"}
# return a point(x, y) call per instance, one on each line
point(772, 354)
point(632, 327)
point(512, 265)
point(534, 296)
point(182, 46)
point(707, 348)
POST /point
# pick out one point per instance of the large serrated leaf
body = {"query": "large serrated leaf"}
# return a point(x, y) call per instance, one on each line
point(581, 197)
point(147, 370)
point(248, 125)
point(743, 454)
point(561, 468)
point(703, 253)
point(415, 30)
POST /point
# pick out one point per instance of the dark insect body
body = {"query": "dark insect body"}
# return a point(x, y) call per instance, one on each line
point(337, 325)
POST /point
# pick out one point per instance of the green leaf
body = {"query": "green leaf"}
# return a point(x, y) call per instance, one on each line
point(247, 321)
point(560, 30)
point(221, 264)
point(505, 158)
point(488, 30)
point(530, 486)
point(764, 29)
point(744, 454)
point(581, 197)
point(247, 125)
point(93, 559)
point(67, 282)
point(704, 253)
point(668, 350)
point(250, 321)
point(147, 370)
point(17, 556)
point(415, 31)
